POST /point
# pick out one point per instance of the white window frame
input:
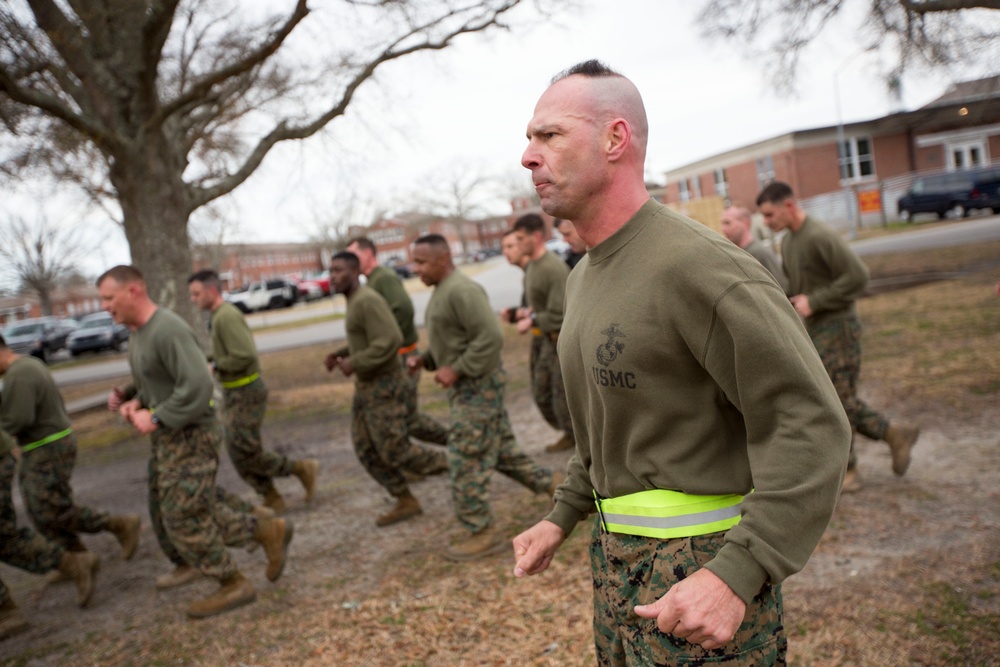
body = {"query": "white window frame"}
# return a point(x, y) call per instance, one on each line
point(721, 184)
point(850, 160)
point(765, 170)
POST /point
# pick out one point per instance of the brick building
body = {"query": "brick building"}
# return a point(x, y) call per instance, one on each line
point(860, 185)
point(242, 263)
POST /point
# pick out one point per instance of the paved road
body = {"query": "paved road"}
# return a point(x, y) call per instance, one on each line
point(977, 230)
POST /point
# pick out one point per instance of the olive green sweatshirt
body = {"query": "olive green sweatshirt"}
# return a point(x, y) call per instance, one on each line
point(769, 261)
point(385, 281)
point(373, 337)
point(462, 329)
point(545, 288)
point(820, 264)
point(169, 371)
point(687, 369)
point(233, 349)
point(31, 407)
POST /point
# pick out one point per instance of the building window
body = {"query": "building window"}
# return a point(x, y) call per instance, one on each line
point(696, 182)
point(721, 186)
point(682, 187)
point(856, 159)
point(765, 171)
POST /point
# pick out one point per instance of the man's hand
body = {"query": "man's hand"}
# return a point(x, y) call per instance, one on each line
point(143, 421)
point(535, 547)
point(414, 364)
point(446, 376)
point(330, 362)
point(128, 408)
point(702, 609)
point(115, 399)
point(801, 304)
point(346, 367)
point(524, 325)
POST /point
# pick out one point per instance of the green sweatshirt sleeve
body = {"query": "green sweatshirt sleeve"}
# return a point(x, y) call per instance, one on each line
point(371, 316)
point(6, 443)
point(384, 281)
point(484, 337)
point(545, 283)
point(850, 276)
point(233, 347)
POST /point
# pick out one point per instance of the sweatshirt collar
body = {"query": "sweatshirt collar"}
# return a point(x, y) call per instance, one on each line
point(625, 233)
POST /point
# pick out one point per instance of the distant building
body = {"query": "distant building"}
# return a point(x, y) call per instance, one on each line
point(242, 263)
point(860, 184)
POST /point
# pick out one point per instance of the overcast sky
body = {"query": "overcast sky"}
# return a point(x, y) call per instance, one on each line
point(466, 108)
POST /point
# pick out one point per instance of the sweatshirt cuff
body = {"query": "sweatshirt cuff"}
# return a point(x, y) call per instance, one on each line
point(737, 567)
point(565, 516)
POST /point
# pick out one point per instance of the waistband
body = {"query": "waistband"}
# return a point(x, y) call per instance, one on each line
point(535, 331)
point(663, 514)
point(242, 382)
point(46, 440)
point(407, 349)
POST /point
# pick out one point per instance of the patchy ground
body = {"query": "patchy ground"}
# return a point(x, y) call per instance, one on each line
point(907, 574)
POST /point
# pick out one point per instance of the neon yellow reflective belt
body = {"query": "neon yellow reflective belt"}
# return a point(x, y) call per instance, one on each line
point(242, 382)
point(46, 440)
point(668, 514)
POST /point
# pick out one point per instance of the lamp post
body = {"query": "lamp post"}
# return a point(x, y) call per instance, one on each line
point(844, 159)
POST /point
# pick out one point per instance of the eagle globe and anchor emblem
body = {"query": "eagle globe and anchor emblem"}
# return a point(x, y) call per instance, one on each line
point(608, 351)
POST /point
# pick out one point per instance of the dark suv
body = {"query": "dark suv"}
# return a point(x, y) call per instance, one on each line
point(953, 193)
point(38, 337)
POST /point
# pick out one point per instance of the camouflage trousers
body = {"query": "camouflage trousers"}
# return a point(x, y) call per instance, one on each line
point(242, 415)
point(480, 441)
point(44, 477)
point(191, 525)
point(379, 432)
point(20, 547)
point(547, 384)
point(839, 345)
point(418, 424)
point(629, 570)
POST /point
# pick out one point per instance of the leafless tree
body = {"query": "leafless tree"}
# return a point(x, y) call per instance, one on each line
point(40, 256)
point(910, 34)
point(458, 194)
point(158, 107)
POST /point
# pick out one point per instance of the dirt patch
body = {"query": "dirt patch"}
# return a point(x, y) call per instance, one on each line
point(908, 572)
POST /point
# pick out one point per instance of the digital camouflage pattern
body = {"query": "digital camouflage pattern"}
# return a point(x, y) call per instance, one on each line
point(379, 432)
point(838, 342)
point(629, 570)
point(44, 477)
point(481, 440)
point(190, 525)
point(418, 424)
point(547, 384)
point(20, 547)
point(242, 414)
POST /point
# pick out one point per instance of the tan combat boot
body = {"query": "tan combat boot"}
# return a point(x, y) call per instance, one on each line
point(852, 481)
point(306, 471)
point(182, 574)
point(274, 501)
point(274, 535)
point(81, 567)
point(126, 531)
point(11, 621)
point(233, 592)
point(562, 444)
point(477, 545)
point(901, 439)
point(406, 507)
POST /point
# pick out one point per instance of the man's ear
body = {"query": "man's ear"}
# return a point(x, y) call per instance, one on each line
point(618, 138)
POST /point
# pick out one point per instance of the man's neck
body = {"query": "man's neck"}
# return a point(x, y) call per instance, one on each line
point(216, 304)
point(746, 240)
point(144, 313)
point(539, 251)
point(798, 219)
point(609, 214)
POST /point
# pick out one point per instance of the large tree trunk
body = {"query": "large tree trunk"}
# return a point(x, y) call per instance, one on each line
point(155, 211)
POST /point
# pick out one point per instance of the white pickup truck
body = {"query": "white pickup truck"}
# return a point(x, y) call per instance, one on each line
point(265, 295)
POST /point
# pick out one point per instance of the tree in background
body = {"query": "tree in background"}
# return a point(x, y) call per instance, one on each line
point(911, 34)
point(39, 257)
point(158, 107)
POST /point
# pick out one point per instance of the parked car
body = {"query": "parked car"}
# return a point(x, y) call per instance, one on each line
point(953, 193)
point(40, 337)
point(97, 332)
point(985, 194)
point(265, 295)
